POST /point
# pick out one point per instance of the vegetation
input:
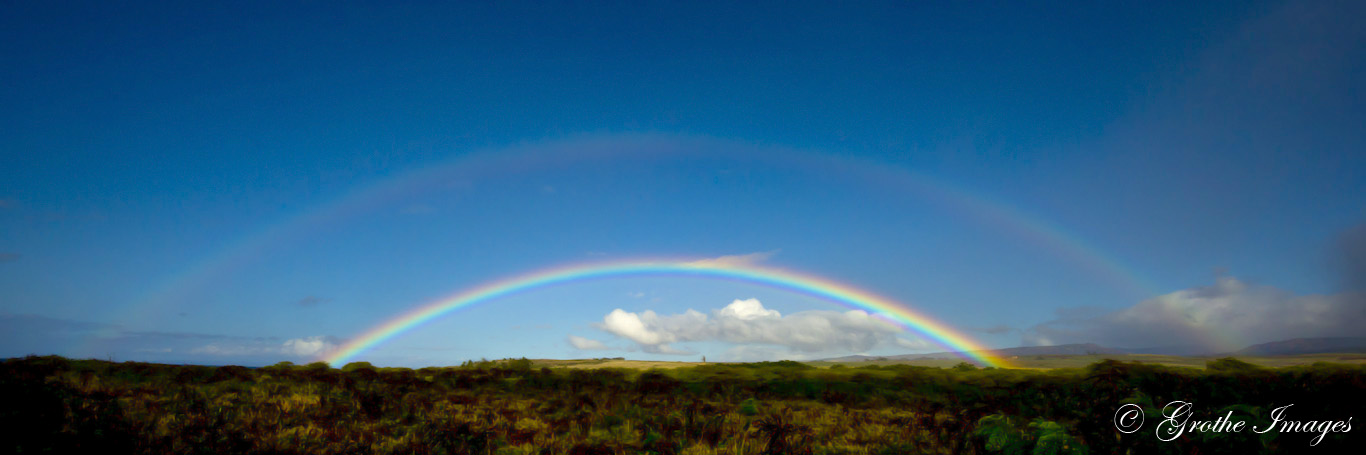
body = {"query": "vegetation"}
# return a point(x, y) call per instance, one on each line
point(56, 405)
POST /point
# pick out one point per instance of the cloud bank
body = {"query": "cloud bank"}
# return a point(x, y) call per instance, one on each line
point(748, 322)
point(23, 334)
point(314, 346)
point(1226, 316)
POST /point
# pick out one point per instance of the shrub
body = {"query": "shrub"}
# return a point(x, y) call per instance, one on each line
point(353, 366)
point(749, 407)
point(1230, 365)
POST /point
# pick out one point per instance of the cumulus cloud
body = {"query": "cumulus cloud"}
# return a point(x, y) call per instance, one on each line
point(632, 327)
point(1228, 315)
point(736, 260)
point(747, 310)
point(748, 322)
point(584, 344)
point(308, 347)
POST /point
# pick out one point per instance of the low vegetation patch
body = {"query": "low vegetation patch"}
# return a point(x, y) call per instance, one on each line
point(56, 405)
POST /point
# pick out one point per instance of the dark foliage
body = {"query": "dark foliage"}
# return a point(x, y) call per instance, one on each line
point(56, 405)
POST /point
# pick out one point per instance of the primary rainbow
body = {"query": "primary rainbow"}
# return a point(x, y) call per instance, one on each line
point(815, 286)
point(184, 282)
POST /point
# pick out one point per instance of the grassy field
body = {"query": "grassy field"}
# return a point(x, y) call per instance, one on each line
point(606, 363)
point(1040, 362)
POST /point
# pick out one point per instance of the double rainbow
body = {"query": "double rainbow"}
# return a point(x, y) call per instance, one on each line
point(810, 285)
point(181, 286)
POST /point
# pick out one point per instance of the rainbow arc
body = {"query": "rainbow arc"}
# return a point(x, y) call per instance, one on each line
point(835, 292)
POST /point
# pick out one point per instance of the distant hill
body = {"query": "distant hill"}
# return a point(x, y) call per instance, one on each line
point(1062, 349)
point(1306, 346)
point(1188, 351)
point(1287, 347)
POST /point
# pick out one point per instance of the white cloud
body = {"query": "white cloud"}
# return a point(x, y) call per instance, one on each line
point(1228, 315)
point(308, 347)
point(748, 322)
point(736, 260)
point(584, 344)
point(665, 349)
point(313, 346)
point(630, 325)
point(747, 310)
point(914, 344)
point(231, 349)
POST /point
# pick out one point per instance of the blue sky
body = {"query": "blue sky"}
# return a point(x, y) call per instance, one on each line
point(192, 183)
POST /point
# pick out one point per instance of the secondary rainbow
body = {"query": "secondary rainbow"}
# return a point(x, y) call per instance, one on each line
point(156, 302)
point(842, 294)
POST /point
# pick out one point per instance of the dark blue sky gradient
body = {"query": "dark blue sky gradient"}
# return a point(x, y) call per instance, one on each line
point(140, 141)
